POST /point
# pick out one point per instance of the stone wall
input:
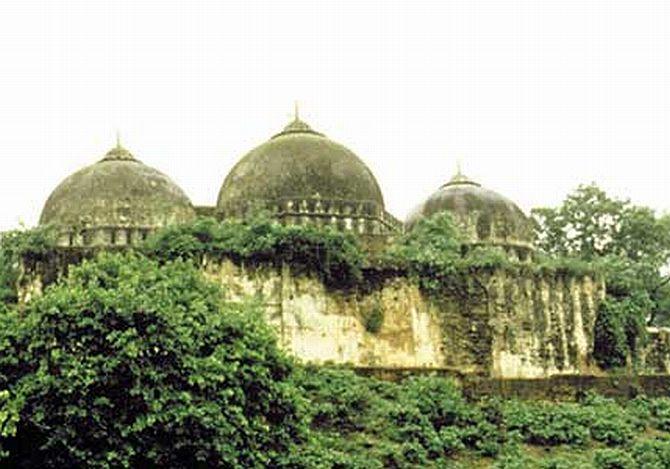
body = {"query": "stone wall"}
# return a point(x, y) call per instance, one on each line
point(528, 326)
point(502, 325)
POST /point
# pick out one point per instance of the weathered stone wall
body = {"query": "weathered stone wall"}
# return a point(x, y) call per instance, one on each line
point(502, 324)
point(526, 326)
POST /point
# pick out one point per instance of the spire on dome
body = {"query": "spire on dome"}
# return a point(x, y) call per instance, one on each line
point(459, 178)
point(118, 152)
point(297, 126)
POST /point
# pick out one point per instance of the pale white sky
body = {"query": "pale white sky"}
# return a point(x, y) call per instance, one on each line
point(533, 96)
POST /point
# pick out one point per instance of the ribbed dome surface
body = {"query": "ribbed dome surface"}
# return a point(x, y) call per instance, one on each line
point(486, 215)
point(117, 191)
point(299, 163)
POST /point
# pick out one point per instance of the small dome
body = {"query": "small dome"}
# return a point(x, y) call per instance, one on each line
point(117, 191)
point(298, 163)
point(485, 216)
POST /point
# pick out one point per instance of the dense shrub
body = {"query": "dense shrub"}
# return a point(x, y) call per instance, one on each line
point(660, 413)
point(651, 454)
point(339, 399)
point(430, 251)
point(547, 424)
point(128, 363)
point(14, 245)
point(613, 458)
point(333, 255)
point(620, 328)
point(609, 423)
point(639, 412)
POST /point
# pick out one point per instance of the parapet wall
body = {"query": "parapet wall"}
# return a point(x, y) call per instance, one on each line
point(527, 326)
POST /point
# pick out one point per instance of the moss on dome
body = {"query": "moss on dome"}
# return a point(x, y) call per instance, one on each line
point(117, 191)
point(299, 163)
point(486, 215)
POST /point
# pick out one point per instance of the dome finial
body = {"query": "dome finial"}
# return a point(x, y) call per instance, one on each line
point(296, 126)
point(459, 178)
point(118, 152)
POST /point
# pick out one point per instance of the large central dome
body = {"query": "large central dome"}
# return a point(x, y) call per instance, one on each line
point(303, 177)
point(299, 162)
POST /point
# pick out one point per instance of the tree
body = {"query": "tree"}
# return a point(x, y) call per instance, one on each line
point(630, 244)
point(590, 225)
point(14, 246)
point(130, 363)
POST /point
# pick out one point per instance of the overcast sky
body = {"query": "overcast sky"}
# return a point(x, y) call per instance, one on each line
point(534, 97)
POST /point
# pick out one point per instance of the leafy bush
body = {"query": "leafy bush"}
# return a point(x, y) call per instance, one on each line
point(14, 245)
point(374, 319)
point(9, 417)
point(660, 413)
point(612, 458)
point(339, 399)
point(439, 400)
point(651, 454)
point(547, 424)
point(434, 412)
point(335, 256)
point(639, 412)
point(430, 251)
point(128, 363)
point(620, 328)
point(512, 456)
point(609, 422)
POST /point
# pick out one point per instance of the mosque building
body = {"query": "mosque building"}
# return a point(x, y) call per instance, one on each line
point(299, 176)
point(527, 324)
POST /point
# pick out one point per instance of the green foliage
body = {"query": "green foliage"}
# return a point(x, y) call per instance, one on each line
point(430, 251)
point(589, 224)
point(128, 363)
point(547, 424)
point(613, 458)
point(14, 245)
point(659, 410)
point(652, 454)
point(619, 329)
point(335, 256)
point(629, 244)
point(427, 422)
point(566, 265)
point(512, 456)
point(339, 399)
point(608, 422)
point(9, 417)
point(374, 319)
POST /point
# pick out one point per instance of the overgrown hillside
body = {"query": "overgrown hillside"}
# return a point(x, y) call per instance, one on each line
point(359, 422)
